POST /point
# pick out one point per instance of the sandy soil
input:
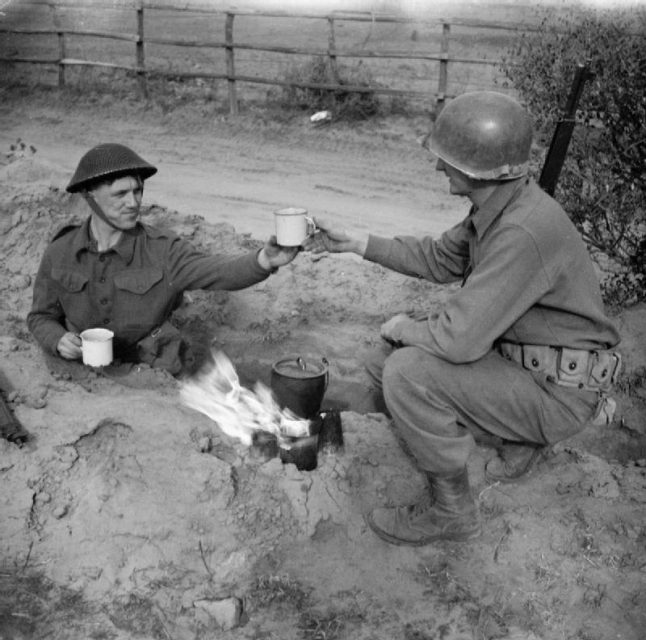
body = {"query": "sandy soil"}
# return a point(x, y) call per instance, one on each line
point(128, 515)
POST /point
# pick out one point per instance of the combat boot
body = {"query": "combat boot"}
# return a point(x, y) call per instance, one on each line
point(447, 511)
point(514, 461)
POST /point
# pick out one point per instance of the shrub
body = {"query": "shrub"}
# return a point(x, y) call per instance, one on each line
point(351, 105)
point(603, 179)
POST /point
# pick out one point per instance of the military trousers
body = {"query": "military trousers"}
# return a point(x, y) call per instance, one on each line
point(439, 407)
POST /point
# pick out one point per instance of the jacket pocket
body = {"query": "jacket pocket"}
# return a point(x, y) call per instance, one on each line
point(71, 281)
point(140, 302)
point(138, 281)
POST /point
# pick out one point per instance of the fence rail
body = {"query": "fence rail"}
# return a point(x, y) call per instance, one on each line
point(332, 53)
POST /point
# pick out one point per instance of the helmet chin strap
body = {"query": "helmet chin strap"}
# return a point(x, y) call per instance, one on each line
point(94, 205)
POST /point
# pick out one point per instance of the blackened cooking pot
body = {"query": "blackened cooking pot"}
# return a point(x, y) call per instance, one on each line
point(299, 384)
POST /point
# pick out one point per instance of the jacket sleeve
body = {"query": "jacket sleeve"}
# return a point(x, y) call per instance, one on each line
point(46, 318)
point(191, 269)
point(443, 260)
point(510, 279)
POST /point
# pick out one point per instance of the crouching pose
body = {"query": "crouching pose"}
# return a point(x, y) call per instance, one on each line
point(522, 351)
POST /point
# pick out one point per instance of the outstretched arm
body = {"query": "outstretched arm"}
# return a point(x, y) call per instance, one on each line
point(334, 240)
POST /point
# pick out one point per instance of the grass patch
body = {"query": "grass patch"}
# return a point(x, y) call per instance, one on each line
point(343, 104)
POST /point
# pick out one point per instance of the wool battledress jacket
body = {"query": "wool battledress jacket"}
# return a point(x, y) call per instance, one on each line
point(130, 289)
point(528, 278)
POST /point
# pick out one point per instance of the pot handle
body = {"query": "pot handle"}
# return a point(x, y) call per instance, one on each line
point(301, 363)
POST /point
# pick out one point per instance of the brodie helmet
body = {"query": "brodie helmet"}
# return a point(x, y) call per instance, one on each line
point(484, 134)
point(109, 160)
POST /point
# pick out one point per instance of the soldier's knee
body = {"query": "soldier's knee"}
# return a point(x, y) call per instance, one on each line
point(395, 368)
point(411, 366)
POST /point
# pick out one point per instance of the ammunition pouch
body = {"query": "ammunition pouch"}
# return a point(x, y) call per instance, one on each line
point(162, 348)
point(578, 368)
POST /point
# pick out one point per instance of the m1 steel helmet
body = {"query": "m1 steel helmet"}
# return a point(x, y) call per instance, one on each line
point(109, 160)
point(485, 134)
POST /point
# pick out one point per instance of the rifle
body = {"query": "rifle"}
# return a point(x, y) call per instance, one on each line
point(563, 132)
point(10, 428)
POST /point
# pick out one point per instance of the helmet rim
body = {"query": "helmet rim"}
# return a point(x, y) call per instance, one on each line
point(105, 161)
point(501, 172)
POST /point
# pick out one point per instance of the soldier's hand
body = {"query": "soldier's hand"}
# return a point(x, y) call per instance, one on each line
point(273, 255)
point(69, 346)
point(334, 240)
point(392, 330)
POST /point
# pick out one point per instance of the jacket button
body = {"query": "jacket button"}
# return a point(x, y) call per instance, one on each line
point(534, 362)
point(106, 321)
point(572, 366)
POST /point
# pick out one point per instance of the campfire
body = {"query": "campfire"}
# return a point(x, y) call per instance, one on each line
point(240, 412)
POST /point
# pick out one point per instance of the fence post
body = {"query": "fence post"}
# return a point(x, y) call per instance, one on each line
point(331, 51)
point(140, 58)
point(61, 46)
point(444, 68)
point(231, 74)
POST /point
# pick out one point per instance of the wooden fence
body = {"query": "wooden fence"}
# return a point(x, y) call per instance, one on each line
point(332, 53)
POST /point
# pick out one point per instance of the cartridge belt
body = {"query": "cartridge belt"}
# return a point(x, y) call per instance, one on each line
point(595, 370)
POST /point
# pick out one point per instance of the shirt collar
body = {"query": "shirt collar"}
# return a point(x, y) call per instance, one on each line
point(125, 247)
point(82, 240)
point(482, 218)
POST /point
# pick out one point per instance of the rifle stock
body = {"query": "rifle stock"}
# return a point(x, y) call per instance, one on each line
point(561, 139)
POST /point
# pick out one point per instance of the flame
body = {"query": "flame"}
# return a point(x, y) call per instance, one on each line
point(216, 392)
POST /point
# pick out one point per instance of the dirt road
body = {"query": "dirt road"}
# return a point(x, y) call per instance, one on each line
point(239, 172)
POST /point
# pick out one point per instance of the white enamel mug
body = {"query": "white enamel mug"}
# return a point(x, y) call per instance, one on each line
point(96, 345)
point(293, 225)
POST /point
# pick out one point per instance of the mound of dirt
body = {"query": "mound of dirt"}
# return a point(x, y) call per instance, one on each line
point(120, 490)
point(128, 515)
